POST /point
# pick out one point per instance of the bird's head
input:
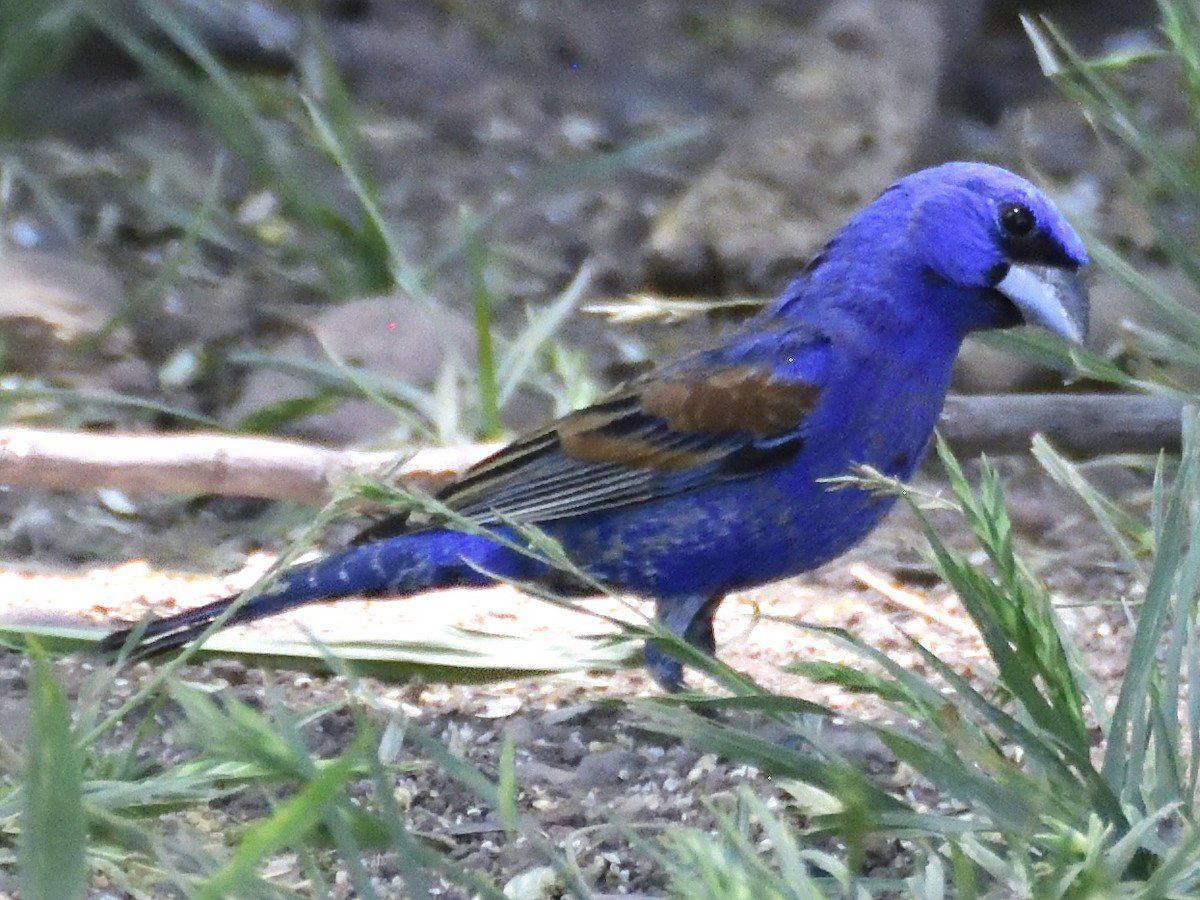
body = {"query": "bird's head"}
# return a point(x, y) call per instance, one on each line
point(979, 226)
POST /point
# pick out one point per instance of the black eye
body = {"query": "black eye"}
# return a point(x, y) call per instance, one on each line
point(1017, 220)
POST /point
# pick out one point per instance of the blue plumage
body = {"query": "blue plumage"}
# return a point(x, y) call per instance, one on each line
point(707, 475)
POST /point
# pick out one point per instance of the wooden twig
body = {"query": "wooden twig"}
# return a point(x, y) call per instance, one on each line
point(209, 464)
point(1082, 425)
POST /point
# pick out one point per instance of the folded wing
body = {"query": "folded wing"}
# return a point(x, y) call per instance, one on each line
point(691, 426)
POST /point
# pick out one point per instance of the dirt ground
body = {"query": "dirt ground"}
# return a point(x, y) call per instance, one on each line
point(487, 101)
point(581, 759)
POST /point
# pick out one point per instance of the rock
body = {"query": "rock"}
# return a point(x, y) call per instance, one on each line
point(391, 337)
point(542, 883)
point(831, 132)
point(606, 767)
point(51, 302)
point(194, 313)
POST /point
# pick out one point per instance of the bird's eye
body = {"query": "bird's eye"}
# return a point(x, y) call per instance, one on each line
point(1017, 220)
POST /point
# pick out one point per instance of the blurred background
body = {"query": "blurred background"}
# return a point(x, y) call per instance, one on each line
point(380, 223)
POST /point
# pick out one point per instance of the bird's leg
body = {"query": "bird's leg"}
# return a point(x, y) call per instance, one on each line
point(692, 619)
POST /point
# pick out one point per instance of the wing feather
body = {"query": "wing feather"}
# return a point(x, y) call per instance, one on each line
point(691, 426)
point(655, 437)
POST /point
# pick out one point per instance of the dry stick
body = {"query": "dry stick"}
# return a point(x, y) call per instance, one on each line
point(1078, 424)
point(911, 602)
point(209, 464)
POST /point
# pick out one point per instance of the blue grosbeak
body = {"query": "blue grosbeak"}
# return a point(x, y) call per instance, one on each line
point(709, 474)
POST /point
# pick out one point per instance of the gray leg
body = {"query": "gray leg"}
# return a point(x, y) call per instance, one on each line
point(692, 619)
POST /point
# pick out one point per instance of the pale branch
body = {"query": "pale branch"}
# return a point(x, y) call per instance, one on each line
point(1077, 424)
point(211, 464)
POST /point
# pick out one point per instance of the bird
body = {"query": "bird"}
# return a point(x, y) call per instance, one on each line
point(712, 473)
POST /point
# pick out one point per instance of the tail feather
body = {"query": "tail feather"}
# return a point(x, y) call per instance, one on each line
point(173, 632)
point(401, 565)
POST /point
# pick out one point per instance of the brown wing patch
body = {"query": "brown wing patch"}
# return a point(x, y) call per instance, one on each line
point(738, 398)
point(614, 453)
point(600, 436)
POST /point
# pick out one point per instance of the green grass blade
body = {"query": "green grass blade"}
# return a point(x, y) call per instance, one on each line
point(18, 391)
point(1048, 350)
point(1086, 82)
point(489, 792)
point(1128, 735)
point(53, 830)
point(506, 785)
point(522, 353)
point(289, 824)
point(1070, 776)
point(348, 380)
point(36, 38)
point(1128, 534)
point(962, 760)
point(1014, 616)
point(485, 358)
point(1192, 705)
point(1183, 318)
point(399, 268)
point(835, 776)
point(1011, 799)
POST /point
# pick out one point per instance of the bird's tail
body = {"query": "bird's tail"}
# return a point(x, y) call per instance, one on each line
point(401, 566)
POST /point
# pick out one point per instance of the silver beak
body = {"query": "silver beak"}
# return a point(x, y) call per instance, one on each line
point(1050, 296)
